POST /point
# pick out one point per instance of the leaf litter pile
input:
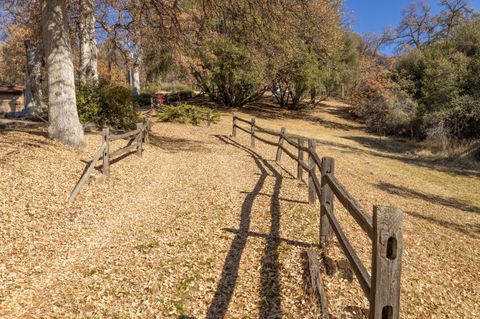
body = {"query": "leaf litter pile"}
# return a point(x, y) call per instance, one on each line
point(203, 226)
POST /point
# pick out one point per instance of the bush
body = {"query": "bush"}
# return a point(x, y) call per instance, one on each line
point(107, 105)
point(461, 118)
point(300, 77)
point(180, 96)
point(187, 113)
point(390, 115)
point(143, 99)
point(230, 74)
point(88, 106)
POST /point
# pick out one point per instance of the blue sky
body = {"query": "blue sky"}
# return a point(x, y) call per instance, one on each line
point(374, 15)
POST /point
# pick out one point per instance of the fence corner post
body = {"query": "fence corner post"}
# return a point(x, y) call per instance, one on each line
point(140, 140)
point(386, 262)
point(278, 158)
point(252, 133)
point(234, 125)
point(312, 194)
point(301, 143)
point(326, 200)
point(106, 152)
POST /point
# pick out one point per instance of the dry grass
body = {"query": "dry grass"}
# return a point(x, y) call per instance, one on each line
point(203, 226)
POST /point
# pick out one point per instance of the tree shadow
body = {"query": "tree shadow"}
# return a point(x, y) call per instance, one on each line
point(270, 305)
point(471, 230)
point(176, 145)
point(388, 145)
point(434, 199)
point(294, 201)
point(399, 150)
point(265, 109)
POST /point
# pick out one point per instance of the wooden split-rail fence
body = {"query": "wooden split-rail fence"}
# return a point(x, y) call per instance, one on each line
point(136, 139)
point(382, 286)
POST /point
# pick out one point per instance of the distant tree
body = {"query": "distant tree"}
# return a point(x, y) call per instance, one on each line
point(418, 26)
point(33, 79)
point(87, 69)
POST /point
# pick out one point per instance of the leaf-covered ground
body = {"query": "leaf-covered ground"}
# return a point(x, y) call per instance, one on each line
point(203, 226)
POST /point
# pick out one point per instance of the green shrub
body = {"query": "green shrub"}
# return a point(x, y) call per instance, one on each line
point(119, 109)
point(174, 87)
point(88, 106)
point(230, 74)
point(143, 99)
point(187, 113)
point(389, 114)
point(180, 96)
point(107, 105)
point(462, 117)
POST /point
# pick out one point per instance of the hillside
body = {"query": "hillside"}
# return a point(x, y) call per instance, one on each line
point(204, 226)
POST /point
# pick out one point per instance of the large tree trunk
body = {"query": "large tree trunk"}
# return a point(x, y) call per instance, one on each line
point(87, 71)
point(134, 73)
point(136, 79)
point(29, 105)
point(63, 117)
point(34, 104)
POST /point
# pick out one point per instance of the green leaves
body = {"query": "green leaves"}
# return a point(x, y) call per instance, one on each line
point(107, 105)
point(187, 113)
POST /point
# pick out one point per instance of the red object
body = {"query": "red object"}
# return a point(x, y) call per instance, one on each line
point(159, 99)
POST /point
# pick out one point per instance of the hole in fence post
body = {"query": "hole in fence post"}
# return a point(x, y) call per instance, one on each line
point(387, 312)
point(392, 248)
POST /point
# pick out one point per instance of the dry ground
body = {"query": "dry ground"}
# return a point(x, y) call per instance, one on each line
point(202, 226)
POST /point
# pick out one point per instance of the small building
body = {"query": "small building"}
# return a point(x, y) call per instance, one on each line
point(11, 100)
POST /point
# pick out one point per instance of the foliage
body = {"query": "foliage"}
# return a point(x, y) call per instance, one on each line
point(301, 76)
point(462, 117)
point(432, 91)
point(230, 75)
point(247, 46)
point(108, 105)
point(88, 106)
point(180, 95)
point(186, 113)
point(143, 99)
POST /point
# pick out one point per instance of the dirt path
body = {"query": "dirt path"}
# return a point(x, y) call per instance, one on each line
point(204, 227)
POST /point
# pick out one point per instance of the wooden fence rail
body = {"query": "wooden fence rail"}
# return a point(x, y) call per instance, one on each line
point(136, 139)
point(382, 287)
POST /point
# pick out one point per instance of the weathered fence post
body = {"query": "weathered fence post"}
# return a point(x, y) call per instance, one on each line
point(301, 142)
point(209, 117)
point(252, 133)
point(140, 140)
point(234, 126)
point(312, 194)
point(326, 200)
point(106, 152)
point(146, 128)
point(280, 144)
point(386, 262)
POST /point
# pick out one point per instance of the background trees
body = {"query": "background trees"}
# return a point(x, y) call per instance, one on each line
point(430, 89)
point(234, 51)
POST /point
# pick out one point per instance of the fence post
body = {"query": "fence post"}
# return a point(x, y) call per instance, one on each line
point(312, 194)
point(301, 142)
point(106, 152)
point(209, 117)
point(326, 200)
point(280, 144)
point(139, 140)
point(252, 133)
point(386, 262)
point(234, 126)
point(146, 129)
